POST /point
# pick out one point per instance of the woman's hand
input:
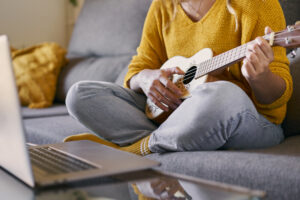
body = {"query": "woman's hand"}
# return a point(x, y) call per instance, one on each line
point(158, 87)
point(259, 55)
point(169, 189)
point(162, 188)
point(266, 86)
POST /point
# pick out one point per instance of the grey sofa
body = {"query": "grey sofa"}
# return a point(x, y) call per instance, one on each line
point(104, 40)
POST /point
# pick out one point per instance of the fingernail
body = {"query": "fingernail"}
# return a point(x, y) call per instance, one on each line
point(258, 41)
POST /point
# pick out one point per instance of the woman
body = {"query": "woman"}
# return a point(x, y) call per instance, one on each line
point(241, 108)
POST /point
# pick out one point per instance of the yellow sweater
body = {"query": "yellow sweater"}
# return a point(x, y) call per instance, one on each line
point(216, 30)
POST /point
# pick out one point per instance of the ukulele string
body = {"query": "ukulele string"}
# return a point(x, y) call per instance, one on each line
point(208, 63)
point(283, 39)
point(279, 33)
point(191, 73)
point(204, 70)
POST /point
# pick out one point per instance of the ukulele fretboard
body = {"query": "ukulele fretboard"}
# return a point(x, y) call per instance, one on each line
point(222, 60)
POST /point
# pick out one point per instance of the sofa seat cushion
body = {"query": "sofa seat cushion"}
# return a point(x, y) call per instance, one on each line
point(54, 110)
point(92, 68)
point(273, 170)
point(49, 130)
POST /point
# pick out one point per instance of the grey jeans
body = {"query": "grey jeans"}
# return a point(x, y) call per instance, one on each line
point(218, 115)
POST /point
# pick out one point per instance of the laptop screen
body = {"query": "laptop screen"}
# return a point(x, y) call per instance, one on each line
point(14, 155)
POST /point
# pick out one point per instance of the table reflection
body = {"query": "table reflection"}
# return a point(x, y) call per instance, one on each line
point(163, 188)
point(142, 185)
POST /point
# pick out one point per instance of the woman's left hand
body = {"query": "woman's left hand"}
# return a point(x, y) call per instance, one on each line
point(259, 55)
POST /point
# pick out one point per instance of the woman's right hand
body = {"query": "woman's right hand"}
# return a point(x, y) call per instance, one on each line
point(158, 87)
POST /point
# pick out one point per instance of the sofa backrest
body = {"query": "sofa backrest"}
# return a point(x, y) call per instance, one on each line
point(108, 28)
point(291, 9)
point(103, 42)
point(291, 124)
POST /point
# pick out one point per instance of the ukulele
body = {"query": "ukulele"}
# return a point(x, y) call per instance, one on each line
point(199, 65)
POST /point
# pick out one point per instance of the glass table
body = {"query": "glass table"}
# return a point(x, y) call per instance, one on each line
point(141, 185)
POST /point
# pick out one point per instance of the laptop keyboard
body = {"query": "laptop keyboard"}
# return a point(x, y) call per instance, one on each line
point(55, 162)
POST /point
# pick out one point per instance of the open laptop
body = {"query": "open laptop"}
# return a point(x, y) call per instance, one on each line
point(51, 164)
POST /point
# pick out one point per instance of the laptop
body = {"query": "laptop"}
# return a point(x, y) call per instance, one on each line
point(47, 165)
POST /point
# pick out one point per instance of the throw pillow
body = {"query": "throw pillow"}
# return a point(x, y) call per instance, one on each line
point(36, 71)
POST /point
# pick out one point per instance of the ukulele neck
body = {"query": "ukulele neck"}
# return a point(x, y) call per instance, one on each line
point(222, 60)
point(288, 38)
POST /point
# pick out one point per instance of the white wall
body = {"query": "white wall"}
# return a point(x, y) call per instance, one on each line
point(72, 14)
point(29, 22)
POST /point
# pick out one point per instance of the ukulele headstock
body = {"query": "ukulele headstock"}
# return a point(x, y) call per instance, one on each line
point(288, 38)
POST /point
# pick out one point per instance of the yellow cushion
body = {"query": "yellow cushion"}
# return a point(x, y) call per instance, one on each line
point(36, 70)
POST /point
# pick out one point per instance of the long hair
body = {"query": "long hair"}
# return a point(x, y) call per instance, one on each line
point(228, 4)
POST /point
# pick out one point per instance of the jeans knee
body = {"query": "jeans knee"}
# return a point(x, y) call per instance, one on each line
point(85, 94)
point(232, 94)
point(73, 98)
point(236, 97)
point(223, 98)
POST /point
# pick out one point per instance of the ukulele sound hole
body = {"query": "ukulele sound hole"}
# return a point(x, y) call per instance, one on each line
point(189, 75)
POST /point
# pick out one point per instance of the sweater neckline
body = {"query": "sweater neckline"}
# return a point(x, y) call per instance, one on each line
point(208, 13)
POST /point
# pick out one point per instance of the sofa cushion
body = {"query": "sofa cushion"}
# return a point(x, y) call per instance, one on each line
point(36, 70)
point(49, 130)
point(291, 124)
point(109, 27)
point(274, 170)
point(91, 68)
point(54, 110)
point(121, 76)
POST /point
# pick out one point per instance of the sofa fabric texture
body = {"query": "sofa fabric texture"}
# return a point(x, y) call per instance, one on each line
point(93, 68)
point(54, 110)
point(291, 124)
point(104, 40)
point(273, 169)
point(291, 10)
point(109, 28)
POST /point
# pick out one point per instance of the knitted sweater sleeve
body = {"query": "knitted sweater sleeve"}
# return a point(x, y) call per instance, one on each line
point(270, 14)
point(151, 53)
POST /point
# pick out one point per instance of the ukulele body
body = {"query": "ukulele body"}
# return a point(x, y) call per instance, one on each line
point(187, 83)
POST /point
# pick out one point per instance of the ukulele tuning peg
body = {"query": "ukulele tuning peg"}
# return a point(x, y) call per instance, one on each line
point(290, 28)
point(293, 53)
point(288, 40)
